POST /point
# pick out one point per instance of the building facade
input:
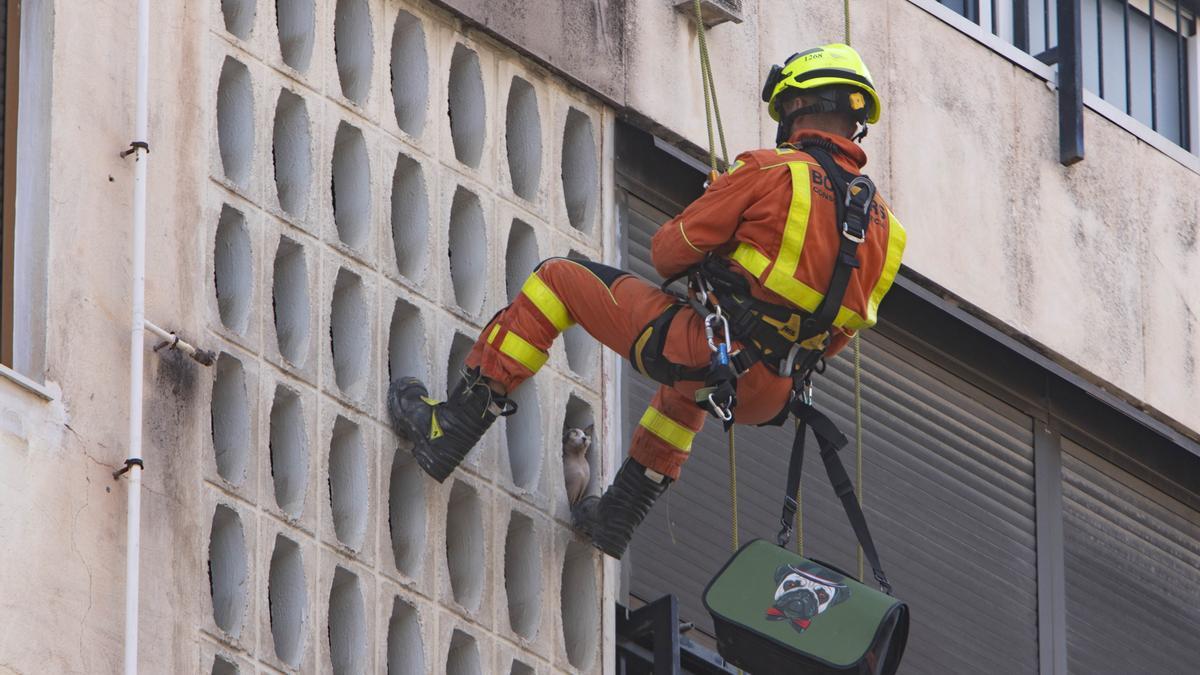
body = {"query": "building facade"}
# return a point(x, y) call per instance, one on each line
point(342, 191)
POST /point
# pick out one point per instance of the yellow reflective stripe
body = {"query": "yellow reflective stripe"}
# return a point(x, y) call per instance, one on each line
point(522, 352)
point(685, 237)
point(674, 433)
point(547, 302)
point(782, 279)
point(897, 238)
point(737, 164)
point(751, 258)
point(492, 335)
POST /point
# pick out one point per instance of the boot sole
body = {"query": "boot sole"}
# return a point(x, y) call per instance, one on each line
point(589, 529)
point(426, 457)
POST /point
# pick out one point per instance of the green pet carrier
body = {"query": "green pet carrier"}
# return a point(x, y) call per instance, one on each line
point(777, 612)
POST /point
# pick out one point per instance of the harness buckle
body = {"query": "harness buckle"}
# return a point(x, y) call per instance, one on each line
point(856, 238)
point(853, 210)
point(806, 392)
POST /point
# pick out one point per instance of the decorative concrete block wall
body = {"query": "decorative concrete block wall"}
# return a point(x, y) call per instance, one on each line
point(382, 182)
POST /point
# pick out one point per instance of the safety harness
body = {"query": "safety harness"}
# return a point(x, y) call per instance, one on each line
point(790, 342)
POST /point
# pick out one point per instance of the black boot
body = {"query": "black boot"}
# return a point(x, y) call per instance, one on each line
point(609, 521)
point(442, 433)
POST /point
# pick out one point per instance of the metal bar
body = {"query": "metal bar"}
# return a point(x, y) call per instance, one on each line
point(1046, 25)
point(1181, 79)
point(659, 620)
point(1192, 48)
point(1153, 73)
point(1192, 68)
point(8, 220)
point(1051, 557)
point(1128, 77)
point(1070, 83)
point(1100, 44)
point(1021, 24)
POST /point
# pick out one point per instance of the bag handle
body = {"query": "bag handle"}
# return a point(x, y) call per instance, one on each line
point(830, 440)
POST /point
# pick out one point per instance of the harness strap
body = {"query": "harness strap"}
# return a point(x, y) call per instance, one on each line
point(830, 440)
point(853, 211)
point(646, 352)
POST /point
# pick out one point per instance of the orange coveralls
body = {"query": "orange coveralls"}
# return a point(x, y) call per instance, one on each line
point(758, 214)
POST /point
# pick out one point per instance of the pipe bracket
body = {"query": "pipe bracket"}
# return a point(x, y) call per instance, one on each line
point(129, 464)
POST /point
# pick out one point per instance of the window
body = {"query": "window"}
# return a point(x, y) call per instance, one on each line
point(1150, 75)
point(26, 30)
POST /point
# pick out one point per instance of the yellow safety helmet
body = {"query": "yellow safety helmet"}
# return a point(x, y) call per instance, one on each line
point(833, 64)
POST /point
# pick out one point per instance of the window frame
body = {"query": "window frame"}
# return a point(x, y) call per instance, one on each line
point(1189, 158)
point(30, 223)
point(12, 51)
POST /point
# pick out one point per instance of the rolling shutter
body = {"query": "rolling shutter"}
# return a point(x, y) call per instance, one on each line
point(1132, 570)
point(949, 495)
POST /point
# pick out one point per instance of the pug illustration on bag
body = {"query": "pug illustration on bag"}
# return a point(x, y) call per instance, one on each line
point(803, 591)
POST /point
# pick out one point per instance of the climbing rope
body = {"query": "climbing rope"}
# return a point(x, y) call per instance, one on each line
point(858, 433)
point(712, 118)
point(712, 110)
point(733, 490)
point(846, 14)
point(799, 525)
point(858, 426)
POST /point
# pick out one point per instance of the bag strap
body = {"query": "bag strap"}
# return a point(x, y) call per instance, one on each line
point(830, 440)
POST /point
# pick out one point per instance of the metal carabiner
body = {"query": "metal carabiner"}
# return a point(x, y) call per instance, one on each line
point(723, 413)
point(709, 331)
point(806, 392)
point(784, 536)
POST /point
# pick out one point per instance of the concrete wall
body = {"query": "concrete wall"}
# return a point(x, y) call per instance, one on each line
point(1094, 264)
point(318, 219)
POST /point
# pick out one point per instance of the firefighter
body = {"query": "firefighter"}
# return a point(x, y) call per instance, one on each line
point(781, 232)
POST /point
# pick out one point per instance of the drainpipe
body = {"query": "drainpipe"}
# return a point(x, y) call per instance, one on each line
point(140, 150)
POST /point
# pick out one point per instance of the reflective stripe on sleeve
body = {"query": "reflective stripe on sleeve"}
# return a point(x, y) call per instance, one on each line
point(547, 302)
point(751, 258)
point(675, 434)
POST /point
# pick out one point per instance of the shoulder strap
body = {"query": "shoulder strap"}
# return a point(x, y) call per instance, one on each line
point(830, 440)
point(853, 199)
